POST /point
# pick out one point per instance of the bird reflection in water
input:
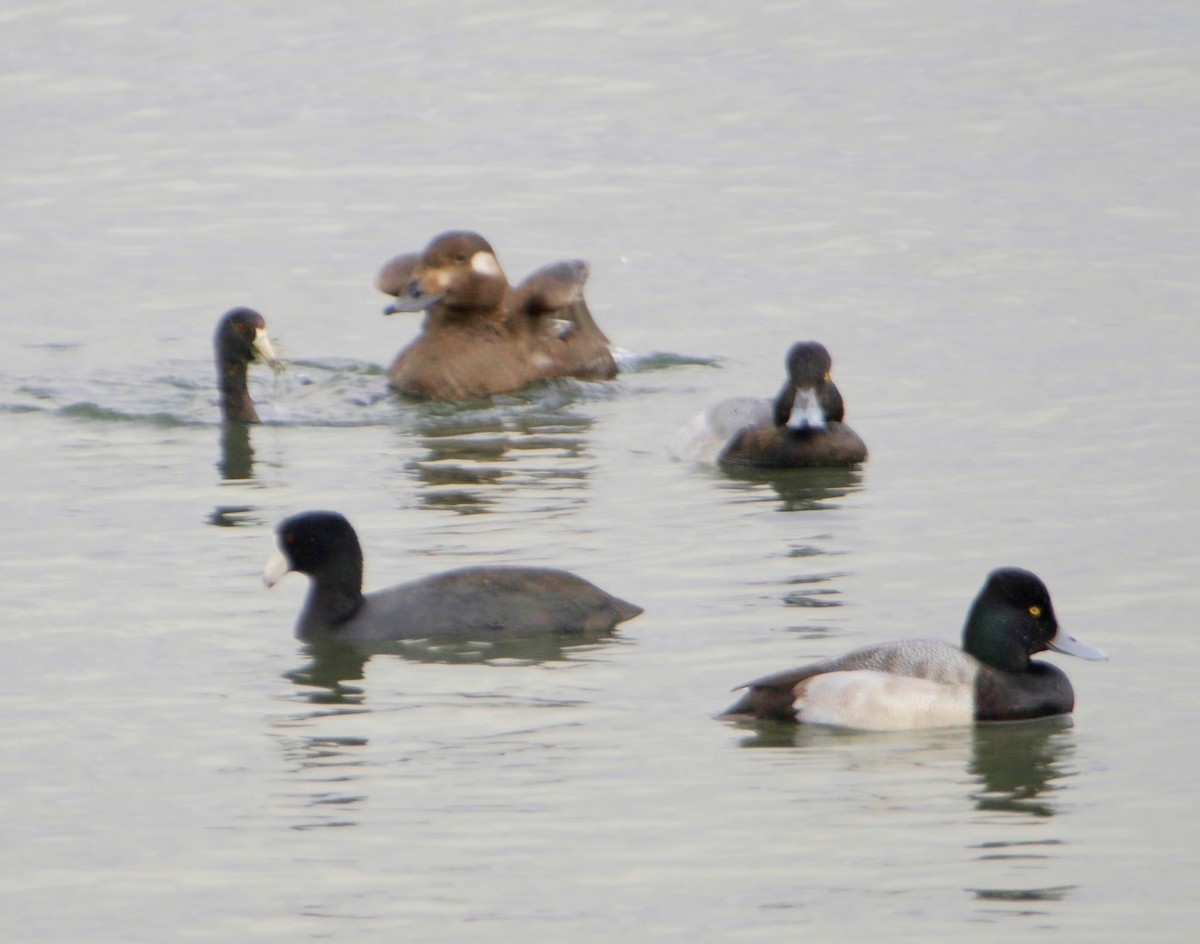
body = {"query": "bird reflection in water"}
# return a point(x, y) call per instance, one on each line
point(471, 457)
point(1016, 763)
point(236, 465)
point(1019, 766)
point(237, 455)
point(797, 489)
point(1015, 769)
point(333, 664)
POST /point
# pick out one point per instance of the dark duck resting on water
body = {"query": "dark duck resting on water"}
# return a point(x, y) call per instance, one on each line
point(802, 427)
point(922, 683)
point(482, 336)
point(475, 603)
point(240, 339)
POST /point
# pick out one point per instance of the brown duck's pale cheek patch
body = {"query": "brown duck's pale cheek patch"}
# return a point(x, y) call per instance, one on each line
point(485, 264)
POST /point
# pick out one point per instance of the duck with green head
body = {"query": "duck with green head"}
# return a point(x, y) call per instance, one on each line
point(922, 683)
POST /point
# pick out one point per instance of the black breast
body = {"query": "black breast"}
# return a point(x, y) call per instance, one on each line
point(1040, 692)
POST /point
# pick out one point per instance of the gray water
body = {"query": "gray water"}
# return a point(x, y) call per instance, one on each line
point(987, 211)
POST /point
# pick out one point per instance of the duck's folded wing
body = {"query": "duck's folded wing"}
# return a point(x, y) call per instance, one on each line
point(484, 603)
point(567, 341)
point(774, 696)
point(709, 432)
point(552, 288)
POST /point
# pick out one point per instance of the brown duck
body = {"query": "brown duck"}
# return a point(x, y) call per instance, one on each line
point(803, 426)
point(482, 336)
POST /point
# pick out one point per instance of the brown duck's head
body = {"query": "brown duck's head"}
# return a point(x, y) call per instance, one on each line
point(457, 272)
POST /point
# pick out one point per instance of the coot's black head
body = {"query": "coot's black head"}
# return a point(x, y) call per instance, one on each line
point(322, 544)
point(240, 339)
point(242, 336)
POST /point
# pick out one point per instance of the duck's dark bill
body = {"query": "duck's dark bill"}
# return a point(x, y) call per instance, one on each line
point(409, 303)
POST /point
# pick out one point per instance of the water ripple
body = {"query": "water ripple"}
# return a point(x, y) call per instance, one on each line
point(331, 392)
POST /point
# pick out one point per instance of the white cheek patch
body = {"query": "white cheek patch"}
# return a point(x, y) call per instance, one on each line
point(485, 264)
point(876, 701)
point(441, 281)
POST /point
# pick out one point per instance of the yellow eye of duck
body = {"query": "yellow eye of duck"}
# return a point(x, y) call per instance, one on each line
point(1035, 610)
point(826, 377)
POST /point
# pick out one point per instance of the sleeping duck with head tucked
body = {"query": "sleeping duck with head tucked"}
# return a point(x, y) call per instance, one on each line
point(482, 336)
point(802, 427)
point(925, 683)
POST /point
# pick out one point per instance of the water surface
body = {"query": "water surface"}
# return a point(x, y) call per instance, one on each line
point(989, 216)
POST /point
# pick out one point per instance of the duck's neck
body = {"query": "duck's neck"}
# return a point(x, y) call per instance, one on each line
point(832, 403)
point(833, 408)
point(326, 610)
point(236, 404)
point(334, 596)
point(996, 638)
point(487, 312)
point(458, 321)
